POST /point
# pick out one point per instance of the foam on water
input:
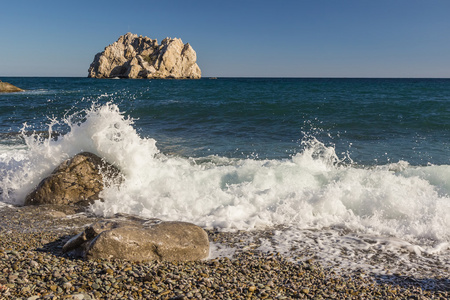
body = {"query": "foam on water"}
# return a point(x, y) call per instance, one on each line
point(314, 190)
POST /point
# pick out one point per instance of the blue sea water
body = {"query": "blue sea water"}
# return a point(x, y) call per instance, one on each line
point(375, 121)
point(365, 157)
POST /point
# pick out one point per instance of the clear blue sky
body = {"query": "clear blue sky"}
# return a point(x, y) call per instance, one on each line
point(298, 38)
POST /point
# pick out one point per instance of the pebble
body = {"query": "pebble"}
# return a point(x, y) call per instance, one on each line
point(33, 267)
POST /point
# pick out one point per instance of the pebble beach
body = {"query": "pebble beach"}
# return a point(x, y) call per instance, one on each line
point(33, 267)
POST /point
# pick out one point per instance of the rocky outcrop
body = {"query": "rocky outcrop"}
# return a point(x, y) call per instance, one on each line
point(6, 87)
point(76, 181)
point(135, 56)
point(136, 239)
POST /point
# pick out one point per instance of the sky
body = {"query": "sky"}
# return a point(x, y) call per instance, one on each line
point(298, 38)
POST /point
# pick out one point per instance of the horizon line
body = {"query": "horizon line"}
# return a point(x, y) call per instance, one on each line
point(248, 77)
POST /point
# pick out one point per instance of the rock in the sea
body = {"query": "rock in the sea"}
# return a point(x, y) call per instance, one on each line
point(78, 180)
point(6, 87)
point(137, 239)
point(135, 56)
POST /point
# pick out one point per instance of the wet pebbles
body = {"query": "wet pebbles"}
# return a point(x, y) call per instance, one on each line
point(32, 266)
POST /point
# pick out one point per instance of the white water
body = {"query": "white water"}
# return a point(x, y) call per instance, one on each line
point(312, 190)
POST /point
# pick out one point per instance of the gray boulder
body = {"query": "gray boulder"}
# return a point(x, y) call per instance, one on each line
point(137, 239)
point(78, 180)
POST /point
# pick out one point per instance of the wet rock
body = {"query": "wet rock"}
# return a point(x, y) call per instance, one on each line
point(136, 239)
point(78, 180)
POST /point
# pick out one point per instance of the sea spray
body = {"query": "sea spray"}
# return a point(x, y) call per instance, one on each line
point(314, 189)
point(101, 129)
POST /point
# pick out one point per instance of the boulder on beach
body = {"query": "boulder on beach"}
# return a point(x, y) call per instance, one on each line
point(78, 181)
point(133, 56)
point(136, 239)
point(6, 87)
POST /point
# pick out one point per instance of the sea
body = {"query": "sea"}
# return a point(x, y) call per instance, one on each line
point(353, 170)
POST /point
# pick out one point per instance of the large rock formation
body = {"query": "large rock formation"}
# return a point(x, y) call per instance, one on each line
point(135, 56)
point(6, 87)
point(136, 239)
point(75, 181)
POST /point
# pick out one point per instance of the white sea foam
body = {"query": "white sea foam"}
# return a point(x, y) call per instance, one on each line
point(312, 190)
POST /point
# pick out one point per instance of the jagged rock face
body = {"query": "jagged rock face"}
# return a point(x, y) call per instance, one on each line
point(134, 56)
point(76, 181)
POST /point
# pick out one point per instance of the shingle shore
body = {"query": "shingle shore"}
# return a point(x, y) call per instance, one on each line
point(32, 266)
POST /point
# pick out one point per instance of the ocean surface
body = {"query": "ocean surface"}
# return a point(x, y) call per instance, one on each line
point(342, 165)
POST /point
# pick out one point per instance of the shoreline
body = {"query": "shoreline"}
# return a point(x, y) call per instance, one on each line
point(33, 267)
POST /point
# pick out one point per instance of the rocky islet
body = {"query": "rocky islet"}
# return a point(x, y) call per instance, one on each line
point(133, 56)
